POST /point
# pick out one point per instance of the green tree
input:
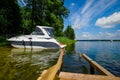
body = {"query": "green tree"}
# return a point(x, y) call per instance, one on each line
point(69, 33)
point(26, 20)
point(48, 13)
point(10, 17)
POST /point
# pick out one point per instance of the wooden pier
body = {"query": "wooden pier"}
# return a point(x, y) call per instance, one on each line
point(55, 70)
point(52, 71)
point(76, 76)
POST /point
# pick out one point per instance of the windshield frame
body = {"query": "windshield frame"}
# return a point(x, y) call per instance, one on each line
point(37, 31)
point(49, 32)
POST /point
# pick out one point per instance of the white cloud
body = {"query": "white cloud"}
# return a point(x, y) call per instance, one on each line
point(83, 17)
point(75, 20)
point(87, 35)
point(23, 2)
point(110, 21)
point(87, 5)
point(72, 4)
point(100, 35)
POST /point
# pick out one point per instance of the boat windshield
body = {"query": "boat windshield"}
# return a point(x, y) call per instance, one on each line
point(49, 31)
point(37, 31)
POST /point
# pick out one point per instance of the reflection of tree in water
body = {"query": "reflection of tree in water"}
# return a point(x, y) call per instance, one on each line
point(70, 47)
point(7, 68)
point(25, 65)
point(84, 69)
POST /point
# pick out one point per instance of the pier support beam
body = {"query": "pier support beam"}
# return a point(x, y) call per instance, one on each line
point(94, 65)
point(92, 70)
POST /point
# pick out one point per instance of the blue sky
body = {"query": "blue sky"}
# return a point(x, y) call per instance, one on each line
point(22, 2)
point(94, 19)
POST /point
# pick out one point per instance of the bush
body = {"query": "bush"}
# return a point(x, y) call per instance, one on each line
point(65, 40)
point(3, 41)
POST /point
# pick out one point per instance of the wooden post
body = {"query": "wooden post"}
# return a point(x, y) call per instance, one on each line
point(92, 70)
point(80, 57)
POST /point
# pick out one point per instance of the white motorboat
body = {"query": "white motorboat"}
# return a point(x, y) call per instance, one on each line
point(42, 37)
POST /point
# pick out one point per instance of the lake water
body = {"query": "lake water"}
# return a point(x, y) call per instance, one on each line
point(105, 53)
point(27, 64)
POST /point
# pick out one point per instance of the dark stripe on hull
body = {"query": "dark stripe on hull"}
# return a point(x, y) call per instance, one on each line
point(31, 43)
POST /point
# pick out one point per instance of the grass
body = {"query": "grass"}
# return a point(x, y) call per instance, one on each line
point(65, 40)
point(3, 41)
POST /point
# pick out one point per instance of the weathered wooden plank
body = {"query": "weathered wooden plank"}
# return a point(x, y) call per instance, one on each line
point(51, 72)
point(97, 66)
point(76, 76)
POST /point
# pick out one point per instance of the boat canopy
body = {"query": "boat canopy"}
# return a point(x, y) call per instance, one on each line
point(38, 31)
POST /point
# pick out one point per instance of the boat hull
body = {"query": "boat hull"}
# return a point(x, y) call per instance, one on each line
point(34, 44)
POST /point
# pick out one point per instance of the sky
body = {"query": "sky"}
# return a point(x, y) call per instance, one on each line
point(22, 2)
point(94, 19)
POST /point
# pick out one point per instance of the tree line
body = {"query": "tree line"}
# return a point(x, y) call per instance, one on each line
point(16, 19)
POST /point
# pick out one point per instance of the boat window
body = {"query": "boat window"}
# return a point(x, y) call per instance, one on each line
point(49, 31)
point(37, 32)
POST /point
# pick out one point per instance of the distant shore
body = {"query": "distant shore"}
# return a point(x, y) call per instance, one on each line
point(97, 40)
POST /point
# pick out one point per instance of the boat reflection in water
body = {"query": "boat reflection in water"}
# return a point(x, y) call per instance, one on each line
point(35, 56)
point(31, 62)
